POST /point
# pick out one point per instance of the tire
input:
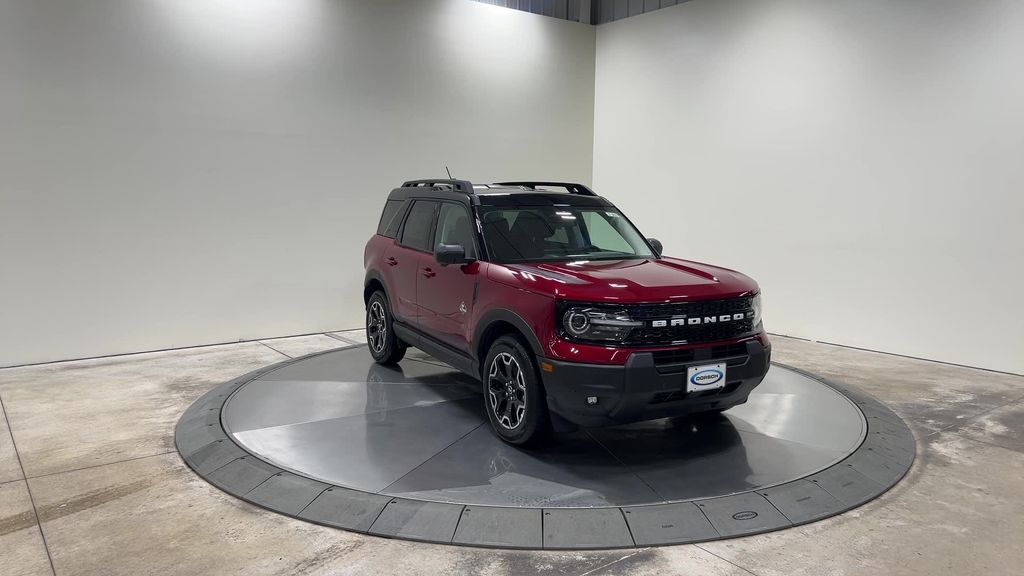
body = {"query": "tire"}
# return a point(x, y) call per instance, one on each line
point(384, 346)
point(514, 397)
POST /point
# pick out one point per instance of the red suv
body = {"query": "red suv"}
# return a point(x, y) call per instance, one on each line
point(554, 300)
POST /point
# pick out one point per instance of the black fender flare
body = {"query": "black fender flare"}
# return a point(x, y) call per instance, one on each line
point(372, 275)
point(505, 315)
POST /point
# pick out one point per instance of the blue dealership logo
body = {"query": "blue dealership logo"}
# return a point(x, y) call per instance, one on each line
point(707, 377)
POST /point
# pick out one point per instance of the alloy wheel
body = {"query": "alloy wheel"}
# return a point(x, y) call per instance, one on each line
point(506, 390)
point(376, 326)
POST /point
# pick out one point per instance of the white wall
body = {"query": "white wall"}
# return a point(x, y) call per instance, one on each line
point(862, 159)
point(179, 172)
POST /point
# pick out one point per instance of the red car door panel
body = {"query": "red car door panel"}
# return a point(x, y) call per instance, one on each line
point(408, 256)
point(402, 264)
point(445, 294)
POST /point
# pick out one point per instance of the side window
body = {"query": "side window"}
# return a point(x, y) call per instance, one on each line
point(391, 219)
point(455, 227)
point(603, 234)
point(416, 233)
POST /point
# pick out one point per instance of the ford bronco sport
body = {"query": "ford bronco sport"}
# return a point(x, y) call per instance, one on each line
point(548, 294)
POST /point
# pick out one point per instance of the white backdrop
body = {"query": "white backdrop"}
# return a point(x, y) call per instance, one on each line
point(862, 159)
point(181, 172)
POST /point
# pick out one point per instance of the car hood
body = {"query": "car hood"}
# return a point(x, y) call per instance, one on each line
point(647, 280)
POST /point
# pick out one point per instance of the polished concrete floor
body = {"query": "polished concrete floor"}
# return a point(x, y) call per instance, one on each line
point(90, 483)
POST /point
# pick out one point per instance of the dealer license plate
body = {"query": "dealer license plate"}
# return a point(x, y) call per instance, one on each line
point(706, 377)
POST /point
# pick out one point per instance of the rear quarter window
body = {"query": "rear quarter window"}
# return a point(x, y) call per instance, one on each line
point(419, 226)
point(391, 219)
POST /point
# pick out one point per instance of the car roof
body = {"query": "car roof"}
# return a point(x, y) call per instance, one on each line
point(500, 195)
point(523, 196)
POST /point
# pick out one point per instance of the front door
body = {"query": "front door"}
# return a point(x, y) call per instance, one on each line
point(445, 294)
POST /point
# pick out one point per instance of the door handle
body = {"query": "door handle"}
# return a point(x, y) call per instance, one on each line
point(391, 261)
point(429, 273)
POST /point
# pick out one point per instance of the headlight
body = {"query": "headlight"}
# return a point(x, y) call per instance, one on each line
point(593, 323)
point(756, 304)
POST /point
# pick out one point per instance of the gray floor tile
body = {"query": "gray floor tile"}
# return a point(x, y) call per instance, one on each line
point(846, 484)
point(357, 336)
point(668, 524)
point(22, 551)
point(876, 466)
point(195, 434)
point(897, 449)
point(1001, 427)
point(802, 501)
point(417, 520)
point(286, 492)
point(241, 475)
point(501, 527)
point(585, 528)
point(296, 346)
point(214, 455)
point(742, 514)
point(344, 508)
point(10, 468)
point(90, 412)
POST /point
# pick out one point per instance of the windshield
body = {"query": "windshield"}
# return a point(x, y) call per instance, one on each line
point(551, 233)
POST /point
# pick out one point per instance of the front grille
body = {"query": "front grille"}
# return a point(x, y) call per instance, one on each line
point(690, 334)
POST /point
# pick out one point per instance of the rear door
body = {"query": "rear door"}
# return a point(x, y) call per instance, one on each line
point(407, 256)
point(445, 294)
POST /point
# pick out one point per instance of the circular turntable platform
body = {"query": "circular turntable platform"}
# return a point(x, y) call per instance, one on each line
point(408, 452)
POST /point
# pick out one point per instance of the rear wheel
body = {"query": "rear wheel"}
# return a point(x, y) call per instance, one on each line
point(513, 393)
point(384, 346)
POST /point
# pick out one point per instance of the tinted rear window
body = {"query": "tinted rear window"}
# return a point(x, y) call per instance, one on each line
point(391, 219)
point(419, 225)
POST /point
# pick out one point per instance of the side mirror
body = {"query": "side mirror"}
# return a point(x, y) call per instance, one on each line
point(451, 254)
point(656, 244)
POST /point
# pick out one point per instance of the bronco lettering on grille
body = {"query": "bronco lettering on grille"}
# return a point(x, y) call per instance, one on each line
point(698, 320)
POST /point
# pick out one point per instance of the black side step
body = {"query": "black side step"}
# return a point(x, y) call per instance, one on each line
point(439, 350)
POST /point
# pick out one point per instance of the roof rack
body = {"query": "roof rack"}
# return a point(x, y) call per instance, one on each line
point(571, 187)
point(464, 186)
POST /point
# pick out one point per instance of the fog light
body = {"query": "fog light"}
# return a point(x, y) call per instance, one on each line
point(591, 400)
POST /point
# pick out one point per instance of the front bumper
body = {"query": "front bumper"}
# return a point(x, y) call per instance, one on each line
point(644, 390)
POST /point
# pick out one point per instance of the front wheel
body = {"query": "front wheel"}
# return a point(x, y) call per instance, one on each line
point(513, 393)
point(384, 346)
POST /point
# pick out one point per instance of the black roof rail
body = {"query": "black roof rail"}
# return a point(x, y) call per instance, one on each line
point(571, 187)
point(464, 186)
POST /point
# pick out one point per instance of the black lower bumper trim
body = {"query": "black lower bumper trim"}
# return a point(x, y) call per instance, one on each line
point(639, 391)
